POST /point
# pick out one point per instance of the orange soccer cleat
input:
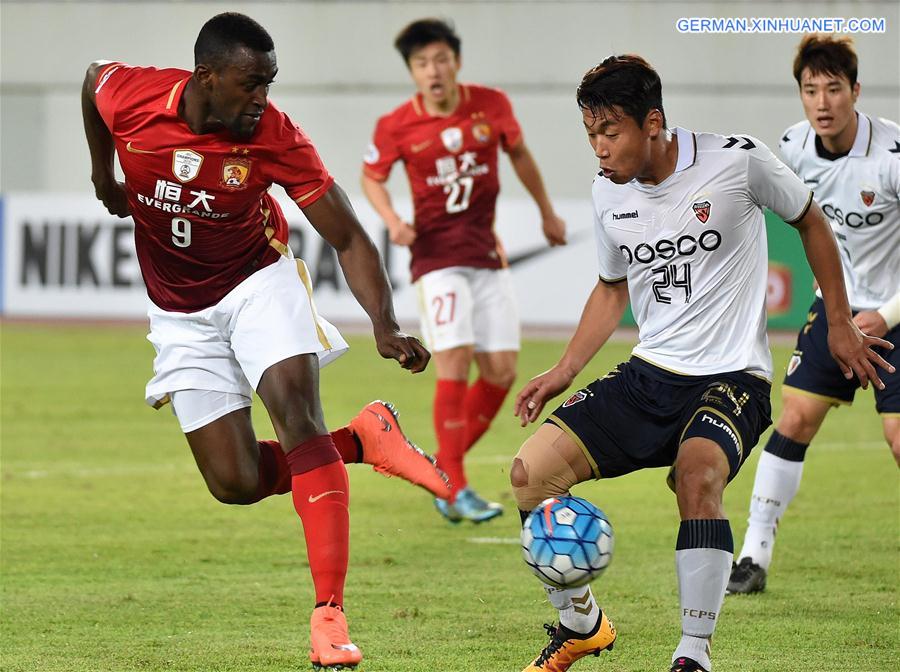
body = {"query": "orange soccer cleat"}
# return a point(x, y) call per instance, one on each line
point(566, 647)
point(390, 452)
point(330, 645)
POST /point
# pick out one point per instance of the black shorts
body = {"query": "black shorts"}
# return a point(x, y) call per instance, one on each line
point(639, 414)
point(812, 371)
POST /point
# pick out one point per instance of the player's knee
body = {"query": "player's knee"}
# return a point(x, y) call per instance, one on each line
point(892, 436)
point(518, 477)
point(798, 422)
point(538, 472)
point(699, 487)
point(232, 490)
point(503, 378)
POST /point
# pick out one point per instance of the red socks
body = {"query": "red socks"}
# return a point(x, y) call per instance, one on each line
point(347, 445)
point(450, 427)
point(321, 493)
point(274, 473)
point(483, 402)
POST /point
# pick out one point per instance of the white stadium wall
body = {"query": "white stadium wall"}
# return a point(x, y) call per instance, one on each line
point(338, 73)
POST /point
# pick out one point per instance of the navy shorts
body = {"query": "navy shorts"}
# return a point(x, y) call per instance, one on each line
point(812, 371)
point(638, 415)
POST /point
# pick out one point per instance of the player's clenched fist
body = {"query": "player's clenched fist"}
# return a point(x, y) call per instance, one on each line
point(407, 350)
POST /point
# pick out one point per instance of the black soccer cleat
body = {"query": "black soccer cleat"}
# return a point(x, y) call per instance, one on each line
point(746, 577)
point(683, 664)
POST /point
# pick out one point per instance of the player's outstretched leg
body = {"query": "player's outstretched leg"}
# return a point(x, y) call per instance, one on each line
point(330, 645)
point(383, 444)
point(548, 464)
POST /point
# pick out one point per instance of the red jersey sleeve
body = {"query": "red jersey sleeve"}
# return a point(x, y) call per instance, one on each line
point(382, 153)
point(510, 131)
point(113, 88)
point(295, 164)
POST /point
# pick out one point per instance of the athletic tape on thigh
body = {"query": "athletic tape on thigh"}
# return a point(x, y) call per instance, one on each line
point(548, 472)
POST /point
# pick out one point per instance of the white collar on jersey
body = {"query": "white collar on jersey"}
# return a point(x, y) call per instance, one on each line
point(862, 143)
point(687, 148)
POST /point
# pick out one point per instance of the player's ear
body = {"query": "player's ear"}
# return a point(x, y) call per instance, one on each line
point(203, 74)
point(855, 91)
point(653, 122)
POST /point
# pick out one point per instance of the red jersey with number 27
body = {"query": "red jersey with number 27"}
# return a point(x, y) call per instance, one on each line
point(203, 218)
point(451, 163)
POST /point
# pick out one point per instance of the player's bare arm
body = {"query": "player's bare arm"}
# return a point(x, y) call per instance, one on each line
point(601, 315)
point(526, 169)
point(850, 347)
point(334, 219)
point(400, 231)
point(100, 142)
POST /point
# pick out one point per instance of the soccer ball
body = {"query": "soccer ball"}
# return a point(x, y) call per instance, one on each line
point(567, 541)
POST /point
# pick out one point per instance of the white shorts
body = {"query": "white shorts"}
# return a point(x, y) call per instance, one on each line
point(461, 305)
point(267, 318)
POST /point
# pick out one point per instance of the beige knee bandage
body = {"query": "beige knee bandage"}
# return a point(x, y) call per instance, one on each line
point(547, 465)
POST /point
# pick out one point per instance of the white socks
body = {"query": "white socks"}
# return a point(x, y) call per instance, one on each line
point(578, 609)
point(777, 481)
point(703, 558)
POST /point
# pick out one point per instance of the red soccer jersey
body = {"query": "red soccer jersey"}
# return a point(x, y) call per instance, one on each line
point(203, 217)
point(451, 163)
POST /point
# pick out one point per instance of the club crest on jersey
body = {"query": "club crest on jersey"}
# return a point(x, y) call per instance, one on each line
point(186, 164)
point(234, 173)
point(701, 209)
point(580, 395)
point(482, 132)
point(452, 138)
point(868, 197)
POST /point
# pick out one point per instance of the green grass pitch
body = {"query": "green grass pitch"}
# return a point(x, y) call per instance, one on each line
point(115, 557)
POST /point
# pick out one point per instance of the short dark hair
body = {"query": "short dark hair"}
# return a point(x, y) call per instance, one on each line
point(424, 32)
point(626, 81)
point(828, 55)
point(223, 33)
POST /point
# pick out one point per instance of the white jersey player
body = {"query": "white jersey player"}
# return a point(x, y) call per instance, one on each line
point(680, 231)
point(852, 162)
point(696, 244)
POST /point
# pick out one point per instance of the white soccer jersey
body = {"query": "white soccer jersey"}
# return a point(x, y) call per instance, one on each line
point(860, 194)
point(693, 250)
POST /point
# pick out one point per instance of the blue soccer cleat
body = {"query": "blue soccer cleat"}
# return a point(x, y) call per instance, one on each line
point(468, 506)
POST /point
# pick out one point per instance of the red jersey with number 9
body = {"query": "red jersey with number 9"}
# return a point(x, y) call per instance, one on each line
point(451, 163)
point(203, 218)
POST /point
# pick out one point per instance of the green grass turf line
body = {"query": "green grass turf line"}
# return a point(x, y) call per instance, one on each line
point(113, 556)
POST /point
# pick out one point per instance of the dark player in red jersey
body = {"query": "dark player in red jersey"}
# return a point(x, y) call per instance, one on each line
point(447, 136)
point(231, 310)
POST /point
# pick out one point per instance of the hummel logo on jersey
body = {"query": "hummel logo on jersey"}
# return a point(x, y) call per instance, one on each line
point(896, 149)
point(732, 141)
point(701, 209)
point(868, 197)
point(385, 425)
point(313, 500)
point(626, 215)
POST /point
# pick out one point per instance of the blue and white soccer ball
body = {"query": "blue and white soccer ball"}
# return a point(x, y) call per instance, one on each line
point(567, 541)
